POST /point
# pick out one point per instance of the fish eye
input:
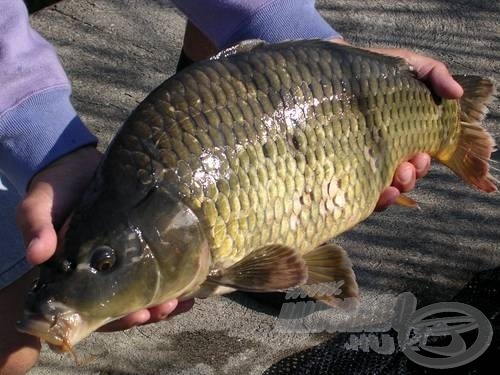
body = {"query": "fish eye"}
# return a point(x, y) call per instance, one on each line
point(103, 258)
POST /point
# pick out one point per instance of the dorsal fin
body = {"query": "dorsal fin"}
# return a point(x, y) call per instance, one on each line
point(241, 47)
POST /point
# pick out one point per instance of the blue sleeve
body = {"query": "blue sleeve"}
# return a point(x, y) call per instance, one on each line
point(38, 131)
point(38, 124)
point(226, 22)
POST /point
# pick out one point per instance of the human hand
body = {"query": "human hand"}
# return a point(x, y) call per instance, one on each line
point(146, 316)
point(404, 179)
point(51, 196)
point(435, 74)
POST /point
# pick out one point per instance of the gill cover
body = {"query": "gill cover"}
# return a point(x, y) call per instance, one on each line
point(174, 235)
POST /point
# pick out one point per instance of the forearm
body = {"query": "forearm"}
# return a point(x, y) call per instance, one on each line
point(38, 124)
point(228, 21)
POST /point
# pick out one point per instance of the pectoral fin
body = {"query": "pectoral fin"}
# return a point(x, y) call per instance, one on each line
point(270, 268)
point(330, 272)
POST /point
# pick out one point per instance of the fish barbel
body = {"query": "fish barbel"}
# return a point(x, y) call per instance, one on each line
point(236, 172)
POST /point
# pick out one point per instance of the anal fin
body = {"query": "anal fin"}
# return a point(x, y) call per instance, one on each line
point(331, 278)
point(267, 269)
point(406, 201)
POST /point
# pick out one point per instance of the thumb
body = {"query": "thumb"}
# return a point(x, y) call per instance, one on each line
point(52, 194)
point(436, 74)
point(429, 70)
point(34, 218)
point(440, 79)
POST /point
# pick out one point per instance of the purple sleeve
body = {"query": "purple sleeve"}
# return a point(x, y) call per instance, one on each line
point(226, 22)
point(38, 124)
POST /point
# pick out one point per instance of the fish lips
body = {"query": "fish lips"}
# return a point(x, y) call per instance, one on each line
point(61, 330)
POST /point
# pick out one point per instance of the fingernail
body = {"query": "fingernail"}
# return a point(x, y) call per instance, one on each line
point(405, 176)
point(421, 164)
point(458, 90)
point(391, 200)
point(32, 245)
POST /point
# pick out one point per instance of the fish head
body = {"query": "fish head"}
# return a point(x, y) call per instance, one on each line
point(151, 253)
point(80, 290)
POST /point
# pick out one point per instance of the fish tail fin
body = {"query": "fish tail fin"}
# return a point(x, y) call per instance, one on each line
point(469, 155)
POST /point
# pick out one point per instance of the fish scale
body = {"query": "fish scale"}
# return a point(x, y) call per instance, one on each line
point(290, 144)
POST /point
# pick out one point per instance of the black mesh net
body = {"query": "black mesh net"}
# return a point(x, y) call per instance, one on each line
point(332, 357)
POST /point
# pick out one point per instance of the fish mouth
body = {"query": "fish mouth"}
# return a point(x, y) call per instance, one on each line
point(61, 330)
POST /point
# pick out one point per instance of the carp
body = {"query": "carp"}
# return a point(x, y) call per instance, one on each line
point(235, 174)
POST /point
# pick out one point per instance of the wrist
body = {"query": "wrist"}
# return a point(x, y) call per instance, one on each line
point(281, 20)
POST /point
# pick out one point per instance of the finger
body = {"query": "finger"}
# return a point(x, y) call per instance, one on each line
point(405, 177)
point(387, 198)
point(129, 321)
point(434, 72)
point(34, 218)
point(145, 316)
point(182, 307)
point(162, 311)
point(443, 83)
point(165, 311)
point(437, 75)
point(42, 246)
point(422, 164)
